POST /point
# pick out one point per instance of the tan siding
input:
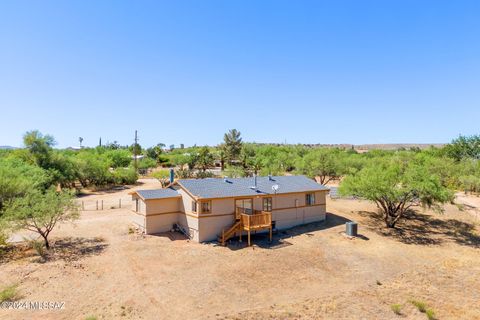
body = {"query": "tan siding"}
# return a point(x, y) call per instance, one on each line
point(141, 203)
point(190, 225)
point(222, 206)
point(139, 221)
point(160, 223)
point(162, 205)
point(211, 227)
point(185, 202)
point(161, 214)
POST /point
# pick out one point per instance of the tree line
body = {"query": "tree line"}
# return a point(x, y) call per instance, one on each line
point(38, 182)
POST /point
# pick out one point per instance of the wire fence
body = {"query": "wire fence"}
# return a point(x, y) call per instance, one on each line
point(105, 204)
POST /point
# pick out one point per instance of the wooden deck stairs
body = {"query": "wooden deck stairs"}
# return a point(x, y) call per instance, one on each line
point(247, 222)
point(223, 238)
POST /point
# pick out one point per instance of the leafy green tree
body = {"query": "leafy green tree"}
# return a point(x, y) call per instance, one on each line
point(118, 158)
point(395, 186)
point(155, 152)
point(163, 176)
point(464, 147)
point(222, 156)
point(234, 172)
point(204, 159)
point(251, 162)
point(17, 178)
point(192, 160)
point(232, 144)
point(147, 163)
point(113, 145)
point(125, 176)
point(40, 147)
point(324, 164)
point(40, 212)
point(136, 148)
point(93, 170)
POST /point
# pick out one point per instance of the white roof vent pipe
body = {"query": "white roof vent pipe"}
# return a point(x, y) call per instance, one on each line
point(254, 182)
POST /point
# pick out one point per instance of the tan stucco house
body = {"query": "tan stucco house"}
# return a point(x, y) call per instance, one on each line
point(218, 208)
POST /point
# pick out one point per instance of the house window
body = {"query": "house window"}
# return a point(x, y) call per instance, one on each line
point(310, 199)
point(267, 204)
point(206, 207)
point(194, 206)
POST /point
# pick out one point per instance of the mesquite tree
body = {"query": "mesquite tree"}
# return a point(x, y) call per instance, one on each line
point(41, 211)
point(395, 186)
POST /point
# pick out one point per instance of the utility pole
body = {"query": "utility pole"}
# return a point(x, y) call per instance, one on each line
point(135, 151)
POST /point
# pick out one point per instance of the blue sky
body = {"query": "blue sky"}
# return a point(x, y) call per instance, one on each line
point(187, 71)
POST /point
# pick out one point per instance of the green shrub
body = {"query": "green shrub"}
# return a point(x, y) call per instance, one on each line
point(91, 318)
point(396, 308)
point(430, 314)
point(39, 248)
point(125, 176)
point(147, 163)
point(161, 174)
point(420, 305)
point(118, 158)
point(3, 233)
point(9, 293)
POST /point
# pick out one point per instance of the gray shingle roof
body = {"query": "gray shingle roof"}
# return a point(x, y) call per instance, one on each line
point(237, 187)
point(158, 193)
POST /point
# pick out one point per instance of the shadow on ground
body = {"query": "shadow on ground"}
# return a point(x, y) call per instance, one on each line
point(279, 237)
point(424, 229)
point(72, 249)
point(67, 249)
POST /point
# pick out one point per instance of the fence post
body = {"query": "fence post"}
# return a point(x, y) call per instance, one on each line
point(97, 204)
point(83, 206)
point(120, 203)
point(102, 204)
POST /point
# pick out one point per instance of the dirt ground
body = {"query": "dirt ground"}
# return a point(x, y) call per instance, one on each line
point(101, 269)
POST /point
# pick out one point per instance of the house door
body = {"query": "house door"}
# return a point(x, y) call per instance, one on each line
point(243, 206)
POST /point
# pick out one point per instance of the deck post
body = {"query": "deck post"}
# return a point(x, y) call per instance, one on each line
point(270, 233)
point(249, 237)
point(240, 235)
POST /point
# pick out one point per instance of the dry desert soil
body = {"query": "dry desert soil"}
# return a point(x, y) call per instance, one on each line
point(99, 268)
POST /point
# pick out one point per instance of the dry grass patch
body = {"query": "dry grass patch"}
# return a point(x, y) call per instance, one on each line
point(9, 294)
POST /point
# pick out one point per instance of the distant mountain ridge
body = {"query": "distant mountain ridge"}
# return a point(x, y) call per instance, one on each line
point(7, 148)
point(358, 147)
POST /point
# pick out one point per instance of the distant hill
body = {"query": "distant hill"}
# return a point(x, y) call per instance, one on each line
point(7, 148)
point(366, 147)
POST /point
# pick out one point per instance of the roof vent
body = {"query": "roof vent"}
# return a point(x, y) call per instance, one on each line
point(254, 182)
point(270, 177)
point(225, 179)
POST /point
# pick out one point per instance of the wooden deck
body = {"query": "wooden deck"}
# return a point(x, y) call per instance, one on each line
point(258, 220)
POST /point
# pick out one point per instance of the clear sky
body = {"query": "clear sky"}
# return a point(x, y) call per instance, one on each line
point(187, 71)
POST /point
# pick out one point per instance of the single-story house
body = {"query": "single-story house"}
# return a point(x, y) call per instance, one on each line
point(207, 209)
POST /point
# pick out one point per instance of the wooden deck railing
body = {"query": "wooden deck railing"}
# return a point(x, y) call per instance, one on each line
point(248, 220)
point(239, 211)
point(256, 221)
